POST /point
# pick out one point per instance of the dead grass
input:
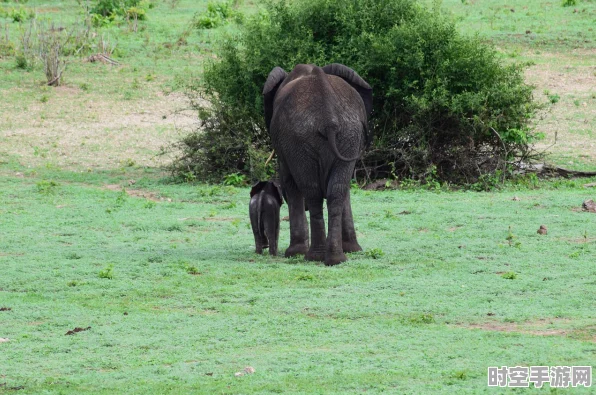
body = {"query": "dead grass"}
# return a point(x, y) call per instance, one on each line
point(573, 118)
point(76, 130)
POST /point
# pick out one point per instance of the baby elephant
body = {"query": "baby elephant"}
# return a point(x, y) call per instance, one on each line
point(265, 201)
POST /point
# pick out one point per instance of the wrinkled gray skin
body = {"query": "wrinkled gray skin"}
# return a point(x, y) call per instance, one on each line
point(317, 118)
point(265, 201)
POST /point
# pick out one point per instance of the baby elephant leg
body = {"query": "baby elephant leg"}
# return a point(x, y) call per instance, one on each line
point(271, 229)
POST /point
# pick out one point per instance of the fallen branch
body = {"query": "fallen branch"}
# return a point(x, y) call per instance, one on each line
point(549, 170)
point(103, 59)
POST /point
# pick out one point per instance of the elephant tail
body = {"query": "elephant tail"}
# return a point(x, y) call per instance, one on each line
point(331, 138)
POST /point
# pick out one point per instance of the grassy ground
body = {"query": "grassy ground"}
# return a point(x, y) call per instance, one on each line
point(177, 301)
point(92, 235)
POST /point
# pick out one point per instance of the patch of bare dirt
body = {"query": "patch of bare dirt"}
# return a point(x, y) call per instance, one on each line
point(541, 327)
point(75, 129)
point(218, 219)
point(153, 196)
point(571, 77)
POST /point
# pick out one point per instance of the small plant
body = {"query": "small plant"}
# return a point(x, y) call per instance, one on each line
point(155, 259)
point(21, 62)
point(149, 204)
point(374, 253)
point(46, 187)
point(229, 206)
point(554, 98)
point(569, 3)
point(121, 198)
point(487, 182)
point(127, 163)
point(192, 270)
point(390, 214)
point(72, 283)
point(174, 228)
point(512, 239)
point(19, 15)
point(509, 275)
point(235, 179)
point(217, 14)
point(44, 98)
point(107, 272)
point(106, 11)
point(73, 255)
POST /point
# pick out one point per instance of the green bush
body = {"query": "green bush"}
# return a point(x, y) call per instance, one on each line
point(217, 14)
point(105, 11)
point(443, 102)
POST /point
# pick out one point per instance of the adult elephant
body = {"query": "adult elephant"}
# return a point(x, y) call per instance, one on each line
point(317, 118)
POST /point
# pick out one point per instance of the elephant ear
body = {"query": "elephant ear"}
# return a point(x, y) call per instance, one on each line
point(352, 78)
point(279, 195)
point(258, 187)
point(274, 80)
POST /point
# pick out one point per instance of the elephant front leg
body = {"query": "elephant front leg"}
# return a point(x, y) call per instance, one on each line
point(298, 230)
point(317, 231)
point(348, 233)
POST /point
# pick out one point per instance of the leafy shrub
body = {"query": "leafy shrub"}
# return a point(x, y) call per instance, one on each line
point(216, 15)
point(107, 272)
point(234, 179)
point(443, 102)
point(17, 15)
point(46, 187)
point(105, 11)
point(509, 275)
point(375, 253)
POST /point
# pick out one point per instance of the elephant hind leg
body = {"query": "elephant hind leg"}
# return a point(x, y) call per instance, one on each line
point(348, 233)
point(334, 253)
point(272, 231)
point(317, 231)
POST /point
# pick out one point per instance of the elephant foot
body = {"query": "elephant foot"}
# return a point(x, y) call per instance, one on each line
point(332, 259)
point(259, 251)
point(350, 246)
point(315, 255)
point(296, 249)
point(273, 251)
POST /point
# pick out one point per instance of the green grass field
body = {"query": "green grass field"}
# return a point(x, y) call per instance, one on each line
point(93, 235)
